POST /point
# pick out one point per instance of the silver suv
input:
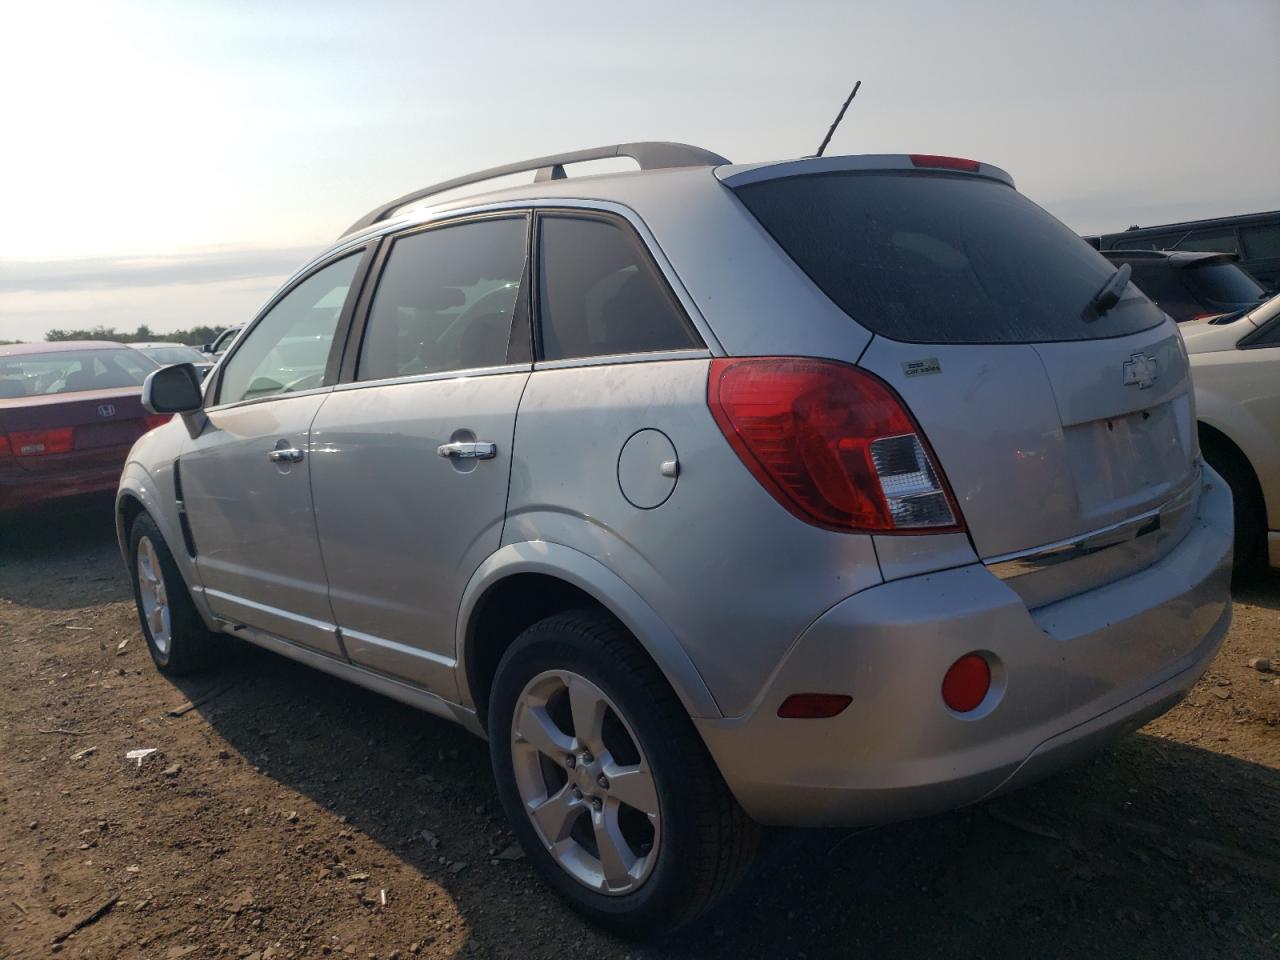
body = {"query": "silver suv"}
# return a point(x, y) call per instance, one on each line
point(830, 491)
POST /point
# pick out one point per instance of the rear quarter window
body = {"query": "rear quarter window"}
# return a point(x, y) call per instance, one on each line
point(1223, 283)
point(938, 258)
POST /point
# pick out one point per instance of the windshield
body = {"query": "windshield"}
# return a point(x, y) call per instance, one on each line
point(174, 353)
point(942, 258)
point(71, 371)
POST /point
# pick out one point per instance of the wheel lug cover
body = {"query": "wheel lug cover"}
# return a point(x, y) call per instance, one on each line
point(571, 761)
point(603, 781)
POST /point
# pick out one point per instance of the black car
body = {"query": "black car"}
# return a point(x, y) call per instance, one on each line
point(1255, 237)
point(1190, 286)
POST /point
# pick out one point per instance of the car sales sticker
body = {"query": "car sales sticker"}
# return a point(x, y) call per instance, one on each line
point(918, 368)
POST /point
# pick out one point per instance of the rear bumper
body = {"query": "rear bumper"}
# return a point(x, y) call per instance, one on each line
point(1066, 677)
point(22, 490)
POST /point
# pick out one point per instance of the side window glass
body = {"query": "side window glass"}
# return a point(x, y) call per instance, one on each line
point(1270, 336)
point(288, 349)
point(1261, 241)
point(445, 300)
point(600, 293)
point(1215, 241)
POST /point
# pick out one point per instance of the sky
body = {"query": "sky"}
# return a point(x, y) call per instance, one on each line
point(171, 163)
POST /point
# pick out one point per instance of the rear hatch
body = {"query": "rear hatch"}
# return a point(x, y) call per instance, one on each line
point(49, 433)
point(1066, 432)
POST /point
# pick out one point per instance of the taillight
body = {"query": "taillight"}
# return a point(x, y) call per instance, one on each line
point(832, 443)
point(5, 449)
point(40, 443)
point(1206, 316)
point(944, 163)
point(154, 420)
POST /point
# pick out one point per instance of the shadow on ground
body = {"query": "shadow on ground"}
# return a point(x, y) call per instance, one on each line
point(1153, 849)
point(36, 568)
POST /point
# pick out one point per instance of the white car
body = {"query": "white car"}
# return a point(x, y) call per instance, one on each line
point(1235, 365)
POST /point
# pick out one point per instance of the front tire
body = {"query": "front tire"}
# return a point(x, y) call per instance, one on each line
point(177, 638)
point(607, 784)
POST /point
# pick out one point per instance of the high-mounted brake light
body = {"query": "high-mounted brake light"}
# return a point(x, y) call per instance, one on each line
point(944, 163)
point(41, 443)
point(832, 443)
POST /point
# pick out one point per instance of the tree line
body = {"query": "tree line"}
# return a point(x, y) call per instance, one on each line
point(195, 336)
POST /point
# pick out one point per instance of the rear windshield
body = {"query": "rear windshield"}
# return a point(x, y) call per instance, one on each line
point(939, 258)
point(71, 371)
point(1223, 283)
point(174, 354)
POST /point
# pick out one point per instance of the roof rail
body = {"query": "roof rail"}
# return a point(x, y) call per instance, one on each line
point(650, 155)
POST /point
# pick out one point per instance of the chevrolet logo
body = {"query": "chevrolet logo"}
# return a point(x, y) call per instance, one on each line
point(107, 410)
point(1139, 370)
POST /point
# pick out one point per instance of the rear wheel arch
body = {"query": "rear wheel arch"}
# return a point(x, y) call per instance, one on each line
point(1226, 456)
point(525, 583)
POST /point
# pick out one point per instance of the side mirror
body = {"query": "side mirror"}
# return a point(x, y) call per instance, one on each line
point(207, 348)
point(173, 389)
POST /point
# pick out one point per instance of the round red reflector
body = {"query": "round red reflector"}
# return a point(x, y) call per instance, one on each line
point(966, 683)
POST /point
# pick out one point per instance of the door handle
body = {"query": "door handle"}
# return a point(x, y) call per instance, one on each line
point(478, 450)
point(287, 455)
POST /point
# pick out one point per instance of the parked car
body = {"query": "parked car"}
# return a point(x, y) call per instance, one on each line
point(69, 412)
point(221, 342)
point(842, 490)
point(1235, 363)
point(167, 353)
point(1255, 237)
point(1191, 286)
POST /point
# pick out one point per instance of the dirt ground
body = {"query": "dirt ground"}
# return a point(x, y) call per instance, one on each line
point(291, 815)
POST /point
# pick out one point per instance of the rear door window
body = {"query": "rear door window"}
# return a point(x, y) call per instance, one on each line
point(446, 299)
point(938, 258)
point(599, 292)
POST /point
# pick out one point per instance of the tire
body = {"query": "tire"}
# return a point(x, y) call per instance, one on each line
point(701, 844)
point(188, 646)
point(1250, 514)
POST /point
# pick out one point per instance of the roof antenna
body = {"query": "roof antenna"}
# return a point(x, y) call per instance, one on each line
point(839, 117)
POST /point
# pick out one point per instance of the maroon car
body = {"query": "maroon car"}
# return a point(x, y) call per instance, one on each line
point(69, 412)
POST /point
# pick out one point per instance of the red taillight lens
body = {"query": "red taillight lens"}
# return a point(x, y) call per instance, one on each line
point(41, 443)
point(154, 420)
point(966, 683)
point(832, 443)
point(5, 449)
point(813, 706)
point(944, 163)
point(1206, 316)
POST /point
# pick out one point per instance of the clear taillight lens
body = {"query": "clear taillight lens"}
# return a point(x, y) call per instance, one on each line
point(833, 444)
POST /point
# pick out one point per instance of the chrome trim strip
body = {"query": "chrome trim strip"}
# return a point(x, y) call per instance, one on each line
point(609, 359)
point(466, 373)
point(272, 611)
point(1012, 565)
point(395, 647)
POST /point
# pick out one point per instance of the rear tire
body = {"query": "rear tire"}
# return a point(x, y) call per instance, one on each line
point(680, 859)
point(176, 636)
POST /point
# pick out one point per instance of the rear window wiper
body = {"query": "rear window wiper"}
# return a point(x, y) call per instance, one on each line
point(1109, 295)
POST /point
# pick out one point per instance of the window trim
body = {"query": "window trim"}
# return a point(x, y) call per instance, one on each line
point(1250, 341)
point(346, 375)
point(700, 349)
point(366, 251)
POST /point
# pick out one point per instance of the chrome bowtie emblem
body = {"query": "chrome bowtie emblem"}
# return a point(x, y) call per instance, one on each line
point(107, 410)
point(1139, 370)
